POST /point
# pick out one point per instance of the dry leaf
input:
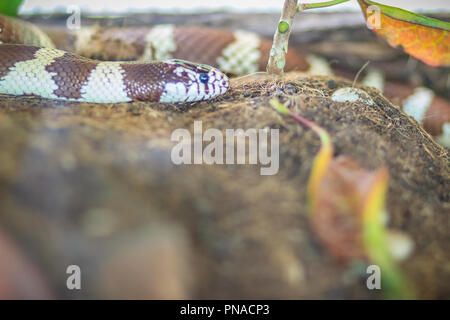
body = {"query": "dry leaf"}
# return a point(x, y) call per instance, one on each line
point(337, 216)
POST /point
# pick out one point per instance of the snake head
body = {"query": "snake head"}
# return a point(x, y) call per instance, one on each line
point(193, 82)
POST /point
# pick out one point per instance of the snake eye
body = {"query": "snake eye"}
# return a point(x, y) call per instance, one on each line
point(204, 77)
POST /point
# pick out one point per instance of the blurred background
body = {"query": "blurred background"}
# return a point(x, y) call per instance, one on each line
point(35, 6)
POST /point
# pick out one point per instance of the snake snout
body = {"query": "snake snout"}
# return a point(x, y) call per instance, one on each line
point(193, 82)
point(219, 79)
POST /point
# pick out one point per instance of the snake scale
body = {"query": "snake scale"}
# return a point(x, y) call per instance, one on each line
point(36, 68)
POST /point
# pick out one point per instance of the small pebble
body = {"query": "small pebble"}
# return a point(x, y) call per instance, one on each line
point(400, 245)
point(352, 95)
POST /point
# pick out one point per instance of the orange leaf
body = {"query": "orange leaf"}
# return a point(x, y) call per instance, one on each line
point(337, 216)
point(424, 38)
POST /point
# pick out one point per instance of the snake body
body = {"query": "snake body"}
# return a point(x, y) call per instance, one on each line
point(55, 74)
point(235, 52)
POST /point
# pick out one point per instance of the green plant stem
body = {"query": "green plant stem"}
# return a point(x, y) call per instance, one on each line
point(306, 6)
point(277, 57)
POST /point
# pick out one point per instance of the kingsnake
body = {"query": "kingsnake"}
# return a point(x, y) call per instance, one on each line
point(234, 53)
point(35, 68)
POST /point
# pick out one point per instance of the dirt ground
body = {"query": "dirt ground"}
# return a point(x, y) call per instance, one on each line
point(93, 185)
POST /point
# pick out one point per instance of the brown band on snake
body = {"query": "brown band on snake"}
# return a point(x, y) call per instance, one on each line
point(397, 92)
point(61, 38)
point(204, 45)
point(200, 44)
point(436, 115)
point(9, 56)
point(71, 73)
point(295, 61)
point(137, 78)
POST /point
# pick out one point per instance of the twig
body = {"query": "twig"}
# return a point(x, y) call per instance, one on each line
point(359, 72)
point(277, 58)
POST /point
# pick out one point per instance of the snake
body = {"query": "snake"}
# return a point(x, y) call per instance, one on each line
point(30, 65)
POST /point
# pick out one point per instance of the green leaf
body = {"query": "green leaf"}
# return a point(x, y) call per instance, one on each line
point(404, 15)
